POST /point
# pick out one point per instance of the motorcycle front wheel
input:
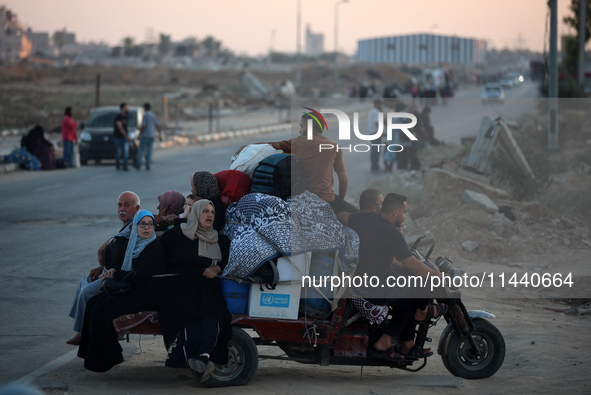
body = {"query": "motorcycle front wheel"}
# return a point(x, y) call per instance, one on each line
point(463, 362)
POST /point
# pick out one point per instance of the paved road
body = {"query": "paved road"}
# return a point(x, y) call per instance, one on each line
point(462, 116)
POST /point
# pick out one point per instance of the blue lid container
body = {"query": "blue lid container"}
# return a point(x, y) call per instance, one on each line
point(236, 295)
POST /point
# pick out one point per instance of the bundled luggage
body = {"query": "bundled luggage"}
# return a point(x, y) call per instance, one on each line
point(280, 175)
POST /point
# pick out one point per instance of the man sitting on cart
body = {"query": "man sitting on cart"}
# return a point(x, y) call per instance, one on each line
point(380, 242)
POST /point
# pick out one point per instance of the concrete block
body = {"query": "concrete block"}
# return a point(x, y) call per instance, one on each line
point(480, 199)
point(469, 245)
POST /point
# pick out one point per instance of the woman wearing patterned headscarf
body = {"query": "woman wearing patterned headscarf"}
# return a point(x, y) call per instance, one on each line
point(143, 259)
point(194, 319)
point(205, 186)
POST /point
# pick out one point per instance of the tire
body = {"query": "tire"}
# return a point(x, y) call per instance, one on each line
point(243, 360)
point(461, 362)
point(83, 161)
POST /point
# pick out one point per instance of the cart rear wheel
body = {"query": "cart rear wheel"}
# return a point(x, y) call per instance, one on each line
point(243, 360)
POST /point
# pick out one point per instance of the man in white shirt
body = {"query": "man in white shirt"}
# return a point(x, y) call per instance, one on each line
point(147, 136)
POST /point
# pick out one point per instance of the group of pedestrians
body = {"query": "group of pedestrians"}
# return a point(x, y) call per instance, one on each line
point(404, 154)
point(37, 152)
point(149, 130)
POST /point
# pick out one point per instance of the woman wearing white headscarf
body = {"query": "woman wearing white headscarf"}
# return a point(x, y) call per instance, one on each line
point(194, 319)
point(143, 259)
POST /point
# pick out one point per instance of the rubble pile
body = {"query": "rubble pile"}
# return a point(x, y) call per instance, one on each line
point(471, 220)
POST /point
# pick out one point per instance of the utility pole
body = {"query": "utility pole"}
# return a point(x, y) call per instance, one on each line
point(97, 91)
point(336, 45)
point(299, 46)
point(553, 79)
point(582, 21)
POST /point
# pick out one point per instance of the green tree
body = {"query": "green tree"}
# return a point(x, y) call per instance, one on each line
point(192, 45)
point(116, 52)
point(164, 44)
point(128, 43)
point(58, 39)
point(570, 62)
point(211, 45)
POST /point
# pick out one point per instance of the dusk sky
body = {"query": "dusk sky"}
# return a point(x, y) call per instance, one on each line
point(252, 27)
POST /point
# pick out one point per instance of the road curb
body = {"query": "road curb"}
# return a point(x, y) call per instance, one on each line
point(8, 167)
point(197, 139)
point(228, 135)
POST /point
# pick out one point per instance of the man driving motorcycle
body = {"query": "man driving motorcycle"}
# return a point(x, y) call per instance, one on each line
point(380, 241)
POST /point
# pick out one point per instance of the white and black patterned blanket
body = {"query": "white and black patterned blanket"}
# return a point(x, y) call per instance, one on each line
point(262, 227)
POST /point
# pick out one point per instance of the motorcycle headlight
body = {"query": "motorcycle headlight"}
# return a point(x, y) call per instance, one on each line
point(85, 136)
point(444, 264)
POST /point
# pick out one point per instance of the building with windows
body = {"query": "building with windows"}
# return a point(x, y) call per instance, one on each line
point(314, 42)
point(425, 49)
point(41, 44)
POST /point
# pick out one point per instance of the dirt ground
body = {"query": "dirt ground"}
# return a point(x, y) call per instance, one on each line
point(31, 95)
point(547, 352)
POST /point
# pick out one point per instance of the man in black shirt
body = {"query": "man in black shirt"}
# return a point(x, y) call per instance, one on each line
point(380, 242)
point(121, 137)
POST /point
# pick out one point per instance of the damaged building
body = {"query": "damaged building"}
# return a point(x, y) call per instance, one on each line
point(14, 43)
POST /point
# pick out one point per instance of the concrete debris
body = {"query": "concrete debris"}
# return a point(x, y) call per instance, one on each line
point(255, 86)
point(480, 200)
point(508, 212)
point(443, 188)
point(566, 241)
point(582, 232)
point(469, 245)
point(575, 310)
point(502, 226)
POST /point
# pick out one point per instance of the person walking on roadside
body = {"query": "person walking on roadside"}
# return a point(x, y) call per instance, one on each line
point(121, 137)
point(69, 136)
point(147, 135)
point(373, 119)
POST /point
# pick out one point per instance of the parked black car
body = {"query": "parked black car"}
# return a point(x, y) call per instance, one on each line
point(96, 140)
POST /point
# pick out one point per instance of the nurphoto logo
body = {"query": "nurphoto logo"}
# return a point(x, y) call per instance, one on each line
point(394, 122)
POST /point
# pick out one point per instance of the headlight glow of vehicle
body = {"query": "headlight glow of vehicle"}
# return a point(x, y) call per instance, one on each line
point(86, 136)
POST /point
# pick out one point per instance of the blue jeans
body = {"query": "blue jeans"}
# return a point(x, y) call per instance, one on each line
point(121, 150)
point(68, 152)
point(375, 155)
point(146, 144)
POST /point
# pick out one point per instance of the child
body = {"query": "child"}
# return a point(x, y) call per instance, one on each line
point(189, 201)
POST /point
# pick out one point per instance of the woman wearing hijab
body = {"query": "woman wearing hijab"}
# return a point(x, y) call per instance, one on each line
point(205, 186)
point(37, 145)
point(143, 259)
point(194, 319)
point(170, 206)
